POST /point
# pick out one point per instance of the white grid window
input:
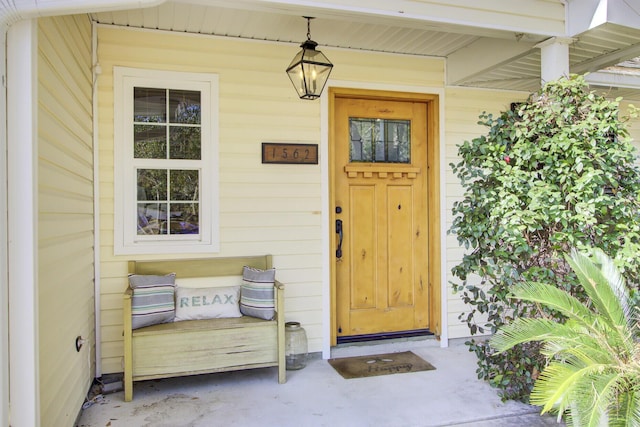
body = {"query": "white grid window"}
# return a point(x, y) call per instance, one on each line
point(165, 162)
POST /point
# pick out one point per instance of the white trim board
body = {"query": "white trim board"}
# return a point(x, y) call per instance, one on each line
point(22, 146)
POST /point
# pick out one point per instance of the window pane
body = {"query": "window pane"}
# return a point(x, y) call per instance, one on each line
point(149, 105)
point(185, 143)
point(152, 218)
point(185, 218)
point(152, 184)
point(150, 142)
point(184, 106)
point(380, 140)
point(184, 185)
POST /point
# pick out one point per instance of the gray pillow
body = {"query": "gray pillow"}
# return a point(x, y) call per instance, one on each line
point(256, 293)
point(152, 299)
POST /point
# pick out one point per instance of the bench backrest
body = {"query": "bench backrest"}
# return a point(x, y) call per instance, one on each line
point(201, 267)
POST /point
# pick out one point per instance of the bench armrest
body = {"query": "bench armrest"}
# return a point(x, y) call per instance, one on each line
point(279, 302)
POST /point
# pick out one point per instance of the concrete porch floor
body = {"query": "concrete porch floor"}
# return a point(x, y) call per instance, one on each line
point(317, 395)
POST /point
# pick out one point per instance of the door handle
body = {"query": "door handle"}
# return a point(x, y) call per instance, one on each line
point(340, 235)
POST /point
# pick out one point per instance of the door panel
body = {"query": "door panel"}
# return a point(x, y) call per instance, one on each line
point(400, 267)
point(380, 186)
point(362, 233)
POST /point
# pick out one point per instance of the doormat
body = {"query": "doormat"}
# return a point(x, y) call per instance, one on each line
point(380, 364)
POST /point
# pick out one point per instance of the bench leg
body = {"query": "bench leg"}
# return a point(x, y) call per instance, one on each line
point(128, 386)
point(128, 374)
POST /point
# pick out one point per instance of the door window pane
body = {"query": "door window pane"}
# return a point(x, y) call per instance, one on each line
point(380, 140)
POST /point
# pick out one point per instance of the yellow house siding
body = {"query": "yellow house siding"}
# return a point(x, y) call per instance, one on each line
point(272, 209)
point(65, 217)
point(362, 68)
point(462, 108)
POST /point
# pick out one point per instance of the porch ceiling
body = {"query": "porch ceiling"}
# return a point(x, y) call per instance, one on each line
point(515, 67)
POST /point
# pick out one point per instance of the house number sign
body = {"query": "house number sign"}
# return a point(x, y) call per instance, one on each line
point(273, 152)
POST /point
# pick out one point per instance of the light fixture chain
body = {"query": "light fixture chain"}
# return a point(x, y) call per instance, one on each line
point(308, 28)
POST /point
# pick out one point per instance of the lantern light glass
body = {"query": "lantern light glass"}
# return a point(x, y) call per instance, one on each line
point(309, 70)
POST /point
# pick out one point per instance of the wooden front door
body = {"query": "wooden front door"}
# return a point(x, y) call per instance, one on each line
point(382, 214)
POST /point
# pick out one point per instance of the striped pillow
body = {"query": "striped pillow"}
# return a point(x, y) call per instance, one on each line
point(256, 293)
point(153, 300)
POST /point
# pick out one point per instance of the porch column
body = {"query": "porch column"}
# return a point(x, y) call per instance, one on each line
point(554, 61)
point(4, 278)
point(22, 212)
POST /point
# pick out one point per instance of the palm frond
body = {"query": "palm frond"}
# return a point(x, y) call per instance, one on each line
point(561, 340)
point(602, 390)
point(563, 386)
point(561, 301)
point(585, 350)
point(603, 343)
point(628, 411)
point(552, 388)
point(604, 286)
point(524, 330)
point(617, 283)
point(635, 323)
point(552, 297)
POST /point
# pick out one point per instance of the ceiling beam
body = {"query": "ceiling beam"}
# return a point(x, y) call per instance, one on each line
point(492, 18)
point(606, 60)
point(611, 80)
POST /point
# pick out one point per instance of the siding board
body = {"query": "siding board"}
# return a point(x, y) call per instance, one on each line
point(65, 219)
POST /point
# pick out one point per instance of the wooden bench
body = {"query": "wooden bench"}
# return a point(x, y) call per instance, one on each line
point(194, 347)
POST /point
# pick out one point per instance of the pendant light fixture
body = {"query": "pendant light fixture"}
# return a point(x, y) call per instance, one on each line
point(309, 69)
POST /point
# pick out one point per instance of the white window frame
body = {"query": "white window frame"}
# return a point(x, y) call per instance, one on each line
point(126, 239)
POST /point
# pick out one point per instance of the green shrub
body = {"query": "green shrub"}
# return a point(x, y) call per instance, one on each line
point(553, 173)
